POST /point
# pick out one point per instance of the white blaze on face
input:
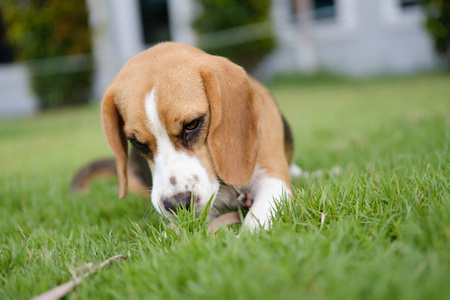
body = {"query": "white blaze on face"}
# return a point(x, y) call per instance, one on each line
point(174, 171)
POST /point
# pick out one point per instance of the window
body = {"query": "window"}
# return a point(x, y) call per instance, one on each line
point(319, 9)
point(405, 4)
point(324, 9)
point(155, 21)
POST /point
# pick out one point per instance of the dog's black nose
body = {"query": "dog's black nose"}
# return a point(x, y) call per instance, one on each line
point(177, 201)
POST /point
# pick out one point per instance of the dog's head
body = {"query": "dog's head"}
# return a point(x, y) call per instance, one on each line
point(195, 117)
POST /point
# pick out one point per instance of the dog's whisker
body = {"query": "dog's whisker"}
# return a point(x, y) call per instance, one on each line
point(229, 188)
point(215, 210)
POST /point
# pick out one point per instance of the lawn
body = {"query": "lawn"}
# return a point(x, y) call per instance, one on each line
point(378, 230)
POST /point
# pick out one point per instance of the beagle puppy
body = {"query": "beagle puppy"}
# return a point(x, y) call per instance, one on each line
point(205, 128)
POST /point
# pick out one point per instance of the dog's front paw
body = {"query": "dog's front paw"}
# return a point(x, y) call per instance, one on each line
point(254, 223)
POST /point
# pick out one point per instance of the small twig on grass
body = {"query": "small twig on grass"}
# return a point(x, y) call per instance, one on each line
point(322, 220)
point(63, 289)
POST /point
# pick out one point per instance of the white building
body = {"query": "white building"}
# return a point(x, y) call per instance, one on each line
point(354, 37)
point(350, 37)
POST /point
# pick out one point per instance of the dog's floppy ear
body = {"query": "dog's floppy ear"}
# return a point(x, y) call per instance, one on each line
point(113, 127)
point(236, 111)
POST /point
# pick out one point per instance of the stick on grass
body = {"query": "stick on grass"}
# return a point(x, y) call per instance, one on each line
point(63, 289)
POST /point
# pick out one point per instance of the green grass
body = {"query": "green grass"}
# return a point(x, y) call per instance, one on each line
point(378, 230)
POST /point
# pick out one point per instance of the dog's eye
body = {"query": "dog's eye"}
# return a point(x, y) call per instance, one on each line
point(192, 126)
point(191, 130)
point(138, 145)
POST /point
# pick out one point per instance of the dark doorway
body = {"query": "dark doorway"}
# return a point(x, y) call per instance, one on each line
point(155, 21)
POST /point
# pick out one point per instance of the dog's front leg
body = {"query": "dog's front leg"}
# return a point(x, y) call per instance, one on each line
point(266, 191)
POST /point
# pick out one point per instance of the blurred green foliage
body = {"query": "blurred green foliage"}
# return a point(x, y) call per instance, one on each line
point(438, 25)
point(39, 29)
point(218, 15)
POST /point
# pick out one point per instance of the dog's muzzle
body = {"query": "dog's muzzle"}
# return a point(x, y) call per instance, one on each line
point(178, 201)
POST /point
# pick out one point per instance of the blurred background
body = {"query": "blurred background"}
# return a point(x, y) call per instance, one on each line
point(60, 53)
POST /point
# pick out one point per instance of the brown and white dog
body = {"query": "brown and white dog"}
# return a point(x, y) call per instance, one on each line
point(205, 127)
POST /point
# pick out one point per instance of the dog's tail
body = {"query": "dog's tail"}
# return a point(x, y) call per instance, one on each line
point(96, 169)
point(139, 175)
